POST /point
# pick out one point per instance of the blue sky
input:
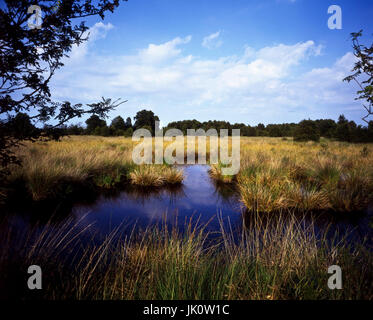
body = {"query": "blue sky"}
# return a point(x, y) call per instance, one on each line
point(268, 61)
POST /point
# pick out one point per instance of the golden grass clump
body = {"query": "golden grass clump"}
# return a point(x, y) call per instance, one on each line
point(277, 174)
point(51, 169)
point(156, 176)
point(48, 166)
point(274, 173)
point(216, 173)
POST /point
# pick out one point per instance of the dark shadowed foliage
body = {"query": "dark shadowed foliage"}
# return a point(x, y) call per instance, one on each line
point(145, 118)
point(30, 57)
point(306, 130)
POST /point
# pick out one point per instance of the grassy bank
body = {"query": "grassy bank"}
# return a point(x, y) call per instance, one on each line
point(281, 174)
point(54, 169)
point(275, 258)
point(274, 174)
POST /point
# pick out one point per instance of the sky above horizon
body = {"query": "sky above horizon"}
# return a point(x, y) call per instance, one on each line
point(268, 61)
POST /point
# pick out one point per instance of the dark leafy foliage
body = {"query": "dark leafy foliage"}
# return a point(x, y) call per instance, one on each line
point(30, 57)
point(306, 130)
point(146, 118)
point(343, 130)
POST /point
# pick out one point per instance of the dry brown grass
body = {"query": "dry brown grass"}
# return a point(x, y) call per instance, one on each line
point(274, 174)
point(156, 176)
point(277, 174)
point(104, 162)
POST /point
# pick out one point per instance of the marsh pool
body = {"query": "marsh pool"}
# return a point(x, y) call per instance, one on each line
point(199, 201)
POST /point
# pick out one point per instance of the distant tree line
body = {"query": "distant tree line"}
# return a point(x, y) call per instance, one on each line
point(342, 130)
point(306, 130)
point(21, 126)
point(118, 127)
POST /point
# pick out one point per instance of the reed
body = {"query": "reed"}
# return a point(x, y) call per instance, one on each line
point(277, 174)
point(274, 173)
point(273, 257)
point(52, 169)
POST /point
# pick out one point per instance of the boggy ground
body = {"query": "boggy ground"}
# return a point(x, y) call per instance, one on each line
point(275, 258)
point(275, 173)
point(56, 169)
point(279, 174)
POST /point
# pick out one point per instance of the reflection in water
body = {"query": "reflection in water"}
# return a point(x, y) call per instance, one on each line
point(199, 199)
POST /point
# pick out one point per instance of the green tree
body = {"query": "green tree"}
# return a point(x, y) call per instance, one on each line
point(94, 122)
point(326, 127)
point(21, 126)
point(261, 129)
point(75, 129)
point(274, 130)
point(29, 59)
point(128, 132)
point(102, 131)
point(117, 126)
point(145, 118)
point(345, 129)
point(306, 130)
point(128, 123)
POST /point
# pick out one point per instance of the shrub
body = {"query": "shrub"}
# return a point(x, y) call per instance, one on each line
point(306, 130)
point(128, 132)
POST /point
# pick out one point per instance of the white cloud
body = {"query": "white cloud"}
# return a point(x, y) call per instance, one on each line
point(98, 31)
point(157, 53)
point(256, 86)
point(212, 41)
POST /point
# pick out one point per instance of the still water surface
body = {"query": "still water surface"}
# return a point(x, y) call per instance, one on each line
point(199, 200)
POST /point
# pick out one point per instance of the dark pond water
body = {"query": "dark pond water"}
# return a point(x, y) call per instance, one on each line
point(199, 200)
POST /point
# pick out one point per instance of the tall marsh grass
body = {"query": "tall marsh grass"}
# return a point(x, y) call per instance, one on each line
point(274, 173)
point(277, 174)
point(50, 169)
point(156, 176)
point(274, 258)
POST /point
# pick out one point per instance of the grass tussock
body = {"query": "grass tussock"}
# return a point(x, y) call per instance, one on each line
point(280, 174)
point(156, 176)
point(48, 167)
point(217, 174)
point(55, 169)
point(274, 258)
point(274, 174)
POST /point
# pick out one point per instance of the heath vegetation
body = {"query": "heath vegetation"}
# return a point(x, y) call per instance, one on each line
point(274, 173)
point(281, 174)
point(274, 258)
point(54, 168)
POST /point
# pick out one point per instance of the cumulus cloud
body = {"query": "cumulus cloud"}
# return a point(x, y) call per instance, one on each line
point(97, 31)
point(256, 86)
point(156, 53)
point(212, 41)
